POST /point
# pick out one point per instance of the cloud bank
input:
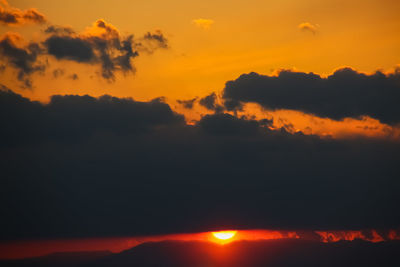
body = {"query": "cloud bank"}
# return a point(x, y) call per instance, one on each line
point(81, 166)
point(345, 93)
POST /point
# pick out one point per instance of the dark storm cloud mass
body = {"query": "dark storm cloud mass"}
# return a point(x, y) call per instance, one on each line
point(10, 16)
point(227, 125)
point(84, 166)
point(24, 58)
point(345, 93)
point(69, 117)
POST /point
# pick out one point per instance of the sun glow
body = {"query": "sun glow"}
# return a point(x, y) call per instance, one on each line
point(224, 235)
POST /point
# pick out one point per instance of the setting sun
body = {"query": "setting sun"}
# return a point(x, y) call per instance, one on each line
point(224, 235)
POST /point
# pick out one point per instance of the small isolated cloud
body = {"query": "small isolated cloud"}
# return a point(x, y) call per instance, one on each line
point(203, 23)
point(150, 42)
point(54, 29)
point(11, 16)
point(58, 73)
point(74, 76)
point(308, 27)
point(188, 104)
point(158, 37)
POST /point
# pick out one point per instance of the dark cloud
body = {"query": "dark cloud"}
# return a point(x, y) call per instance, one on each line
point(16, 17)
point(74, 76)
point(188, 104)
point(84, 166)
point(61, 72)
point(97, 113)
point(157, 37)
point(345, 93)
point(71, 48)
point(210, 102)
point(58, 72)
point(151, 42)
point(24, 58)
point(102, 45)
point(54, 29)
point(226, 124)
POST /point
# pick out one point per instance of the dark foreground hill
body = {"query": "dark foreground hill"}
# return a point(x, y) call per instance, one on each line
point(277, 253)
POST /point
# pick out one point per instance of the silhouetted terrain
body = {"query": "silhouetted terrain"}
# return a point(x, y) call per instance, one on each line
point(237, 254)
point(60, 259)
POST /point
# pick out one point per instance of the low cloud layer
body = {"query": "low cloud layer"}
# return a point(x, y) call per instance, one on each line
point(345, 93)
point(84, 166)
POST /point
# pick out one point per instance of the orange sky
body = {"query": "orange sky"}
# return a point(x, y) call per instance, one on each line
point(240, 37)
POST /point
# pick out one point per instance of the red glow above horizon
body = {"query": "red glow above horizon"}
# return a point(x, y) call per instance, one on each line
point(35, 248)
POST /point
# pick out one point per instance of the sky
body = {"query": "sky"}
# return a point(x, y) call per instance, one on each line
point(257, 36)
point(125, 119)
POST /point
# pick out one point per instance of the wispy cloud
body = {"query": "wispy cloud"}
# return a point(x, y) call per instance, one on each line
point(307, 26)
point(203, 23)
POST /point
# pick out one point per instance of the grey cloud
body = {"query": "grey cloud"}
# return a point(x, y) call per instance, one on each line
point(188, 104)
point(16, 17)
point(23, 58)
point(345, 93)
point(210, 102)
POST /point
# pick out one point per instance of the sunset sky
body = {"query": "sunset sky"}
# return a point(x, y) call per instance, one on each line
point(124, 118)
point(256, 36)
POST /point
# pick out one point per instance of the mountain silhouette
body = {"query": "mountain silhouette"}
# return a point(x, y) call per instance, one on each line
point(277, 253)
